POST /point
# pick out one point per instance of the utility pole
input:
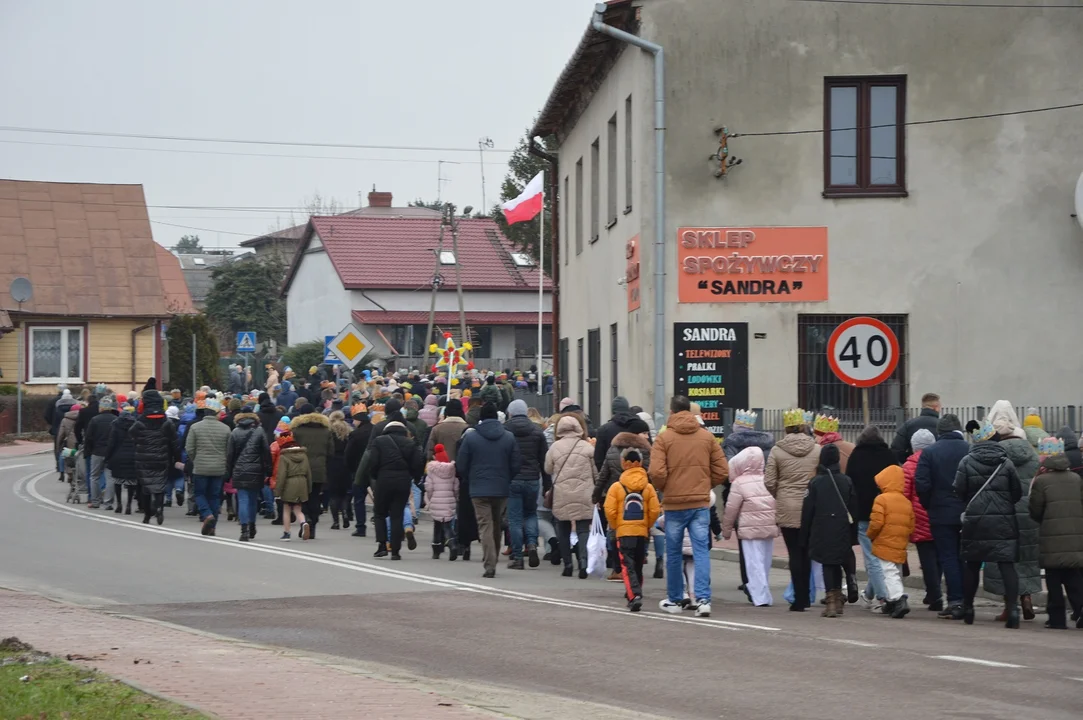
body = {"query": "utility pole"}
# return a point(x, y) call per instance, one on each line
point(485, 142)
point(437, 281)
point(454, 223)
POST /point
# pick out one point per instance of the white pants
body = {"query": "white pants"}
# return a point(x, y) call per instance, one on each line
point(893, 584)
point(758, 565)
point(689, 568)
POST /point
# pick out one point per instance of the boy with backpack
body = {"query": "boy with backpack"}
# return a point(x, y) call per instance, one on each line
point(631, 507)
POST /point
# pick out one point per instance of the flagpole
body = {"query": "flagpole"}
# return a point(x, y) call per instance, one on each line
point(541, 285)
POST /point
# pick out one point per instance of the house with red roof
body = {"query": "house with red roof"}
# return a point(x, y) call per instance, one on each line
point(377, 270)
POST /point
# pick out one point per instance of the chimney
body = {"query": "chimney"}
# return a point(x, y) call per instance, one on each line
point(379, 199)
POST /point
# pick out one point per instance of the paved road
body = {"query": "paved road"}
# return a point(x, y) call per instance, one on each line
point(534, 630)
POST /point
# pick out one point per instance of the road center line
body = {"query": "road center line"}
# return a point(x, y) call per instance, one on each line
point(976, 661)
point(858, 643)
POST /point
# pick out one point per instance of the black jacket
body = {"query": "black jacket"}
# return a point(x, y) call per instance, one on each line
point(532, 448)
point(990, 530)
point(98, 430)
point(156, 447)
point(926, 420)
point(866, 462)
point(606, 433)
point(268, 421)
point(392, 460)
point(338, 476)
point(357, 443)
point(50, 413)
point(59, 411)
point(825, 530)
point(85, 416)
point(934, 478)
point(120, 452)
point(248, 454)
point(1071, 449)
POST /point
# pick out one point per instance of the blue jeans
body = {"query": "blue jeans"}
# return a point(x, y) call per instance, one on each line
point(268, 498)
point(875, 587)
point(208, 492)
point(416, 490)
point(172, 487)
point(522, 515)
point(698, 524)
point(247, 505)
point(359, 498)
point(407, 521)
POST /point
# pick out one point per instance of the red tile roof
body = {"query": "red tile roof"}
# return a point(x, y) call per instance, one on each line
point(397, 253)
point(421, 317)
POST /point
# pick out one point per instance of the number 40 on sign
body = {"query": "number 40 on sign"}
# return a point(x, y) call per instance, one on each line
point(863, 352)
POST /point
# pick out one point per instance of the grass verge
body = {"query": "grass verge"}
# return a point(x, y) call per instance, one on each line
point(36, 686)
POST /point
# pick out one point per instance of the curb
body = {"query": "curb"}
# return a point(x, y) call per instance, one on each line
point(913, 581)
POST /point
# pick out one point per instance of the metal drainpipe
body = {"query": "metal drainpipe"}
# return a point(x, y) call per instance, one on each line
point(598, 24)
point(135, 332)
point(554, 260)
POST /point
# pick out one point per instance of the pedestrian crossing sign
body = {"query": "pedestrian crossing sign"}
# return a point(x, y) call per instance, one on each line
point(350, 345)
point(246, 342)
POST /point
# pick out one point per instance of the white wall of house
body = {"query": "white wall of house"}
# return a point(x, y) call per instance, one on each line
point(317, 305)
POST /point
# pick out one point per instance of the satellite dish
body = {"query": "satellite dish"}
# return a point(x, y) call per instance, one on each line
point(22, 290)
point(1079, 201)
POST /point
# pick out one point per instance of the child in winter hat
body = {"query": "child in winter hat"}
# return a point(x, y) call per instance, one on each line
point(632, 507)
point(441, 498)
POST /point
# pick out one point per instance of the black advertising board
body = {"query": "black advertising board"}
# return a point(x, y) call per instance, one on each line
point(711, 368)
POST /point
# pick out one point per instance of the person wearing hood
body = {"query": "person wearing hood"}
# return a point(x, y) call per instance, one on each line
point(206, 443)
point(617, 424)
point(1032, 427)
point(890, 526)
point(65, 447)
point(744, 435)
point(449, 432)
point(339, 479)
point(355, 450)
point(870, 456)
point(268, 417)
point(751, 511)
point(1056, 503)
point(292, 484)
point(825, 429)
point(50, 408)
point(827, 527)
point(236, 380)
point(312, 431)
point(631, 509)
point(922, 537)
point(391, 465)
point(635, 435)
point(523, 492)
point(489, 458)
point(988, 484)
point(120, 458)
point(248, 464)
point(1013, 437)
point(288, 396)
point(95, 444)
point(156, 453)
point(430, 413)
point(791, 465)
point(442, 499)
point(570, 464)
point(686, 462)
point(491, 392)
point(1071, 449)
point(926, 419)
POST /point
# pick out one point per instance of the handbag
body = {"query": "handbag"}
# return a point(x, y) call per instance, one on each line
point(547, 498)
point(596, 547)
point(849, 517)
point(962, 515)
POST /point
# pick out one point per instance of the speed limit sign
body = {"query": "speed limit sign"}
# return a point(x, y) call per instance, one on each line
point(863, 352)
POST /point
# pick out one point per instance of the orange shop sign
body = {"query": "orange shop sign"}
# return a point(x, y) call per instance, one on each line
point(768, 264)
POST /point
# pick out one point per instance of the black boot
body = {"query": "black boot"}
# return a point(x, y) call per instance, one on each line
point(437, 548)
point(334, 520)
point(554, 552)
point(659, 568)
point(252, 530)
point(278, 507)
point(466, 553)
point(244, 533)
point(453, 550)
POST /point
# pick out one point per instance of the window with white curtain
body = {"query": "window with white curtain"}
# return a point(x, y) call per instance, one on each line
point(56, 354)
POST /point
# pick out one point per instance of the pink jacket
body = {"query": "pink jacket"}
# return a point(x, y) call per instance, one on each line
point(442, 491)
point(749, 506)
point(430, 413)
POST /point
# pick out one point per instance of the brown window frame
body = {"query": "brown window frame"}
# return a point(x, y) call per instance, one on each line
point(863, 188)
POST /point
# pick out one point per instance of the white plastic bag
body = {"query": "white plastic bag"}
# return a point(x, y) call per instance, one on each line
point(596, 547)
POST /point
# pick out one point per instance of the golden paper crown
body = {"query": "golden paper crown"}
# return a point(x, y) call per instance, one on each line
point(826, 424)
point(793, 418)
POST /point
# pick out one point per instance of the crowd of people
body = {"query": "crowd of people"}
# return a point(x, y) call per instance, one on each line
point(997, 502)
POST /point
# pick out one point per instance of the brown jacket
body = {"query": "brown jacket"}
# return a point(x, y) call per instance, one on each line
point(790, 466)
point(686, 462)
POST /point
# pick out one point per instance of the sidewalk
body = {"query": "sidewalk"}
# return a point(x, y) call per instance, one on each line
point(19, 448)
point(218, 677)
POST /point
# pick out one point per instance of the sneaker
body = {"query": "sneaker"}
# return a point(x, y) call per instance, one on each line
point(285, 537)
point(614, 576)
point(516, 565)
point(532, 556)
point(411, 541)
point(703, 610)
point(635, 604)
point(954, 612)
point(381, 553)
point(306, 531)
point(673, 608)
point(900, 608)
point(93, 505)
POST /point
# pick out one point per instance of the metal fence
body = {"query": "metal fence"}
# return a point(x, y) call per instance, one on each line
point(888, 419)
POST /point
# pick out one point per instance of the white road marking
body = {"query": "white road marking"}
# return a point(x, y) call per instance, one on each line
point(26, 489)
point(12, 467)
point(844, 641)
point(976, 661)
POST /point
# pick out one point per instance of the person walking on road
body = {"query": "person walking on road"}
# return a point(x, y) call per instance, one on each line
point(988, 485)
point(744, 435)
point(570, 463)
point(442, 499)
point(248, 464)
point(120, 458)
point(790, 467)
point(449, 432)
point(489, 458)
point(622, 417)
point(293, 484)
point(925, 420)
point(207, 443)
point(870, 456)
point(631, 506)
point(523, 492)
point(390, 466)
point(95, 443)
point(686, 462)
point(1056, 503)
point(827, 527)
point(890, 526)
point(64, 449)
point(751, 512)
point(339, 479)
point(355, 450)
point(312, 431)
point(922, 537)
point(156, 453)
point(934, 481)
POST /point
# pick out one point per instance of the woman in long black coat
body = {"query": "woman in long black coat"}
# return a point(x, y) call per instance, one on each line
point(990, 531)
point(828, 527)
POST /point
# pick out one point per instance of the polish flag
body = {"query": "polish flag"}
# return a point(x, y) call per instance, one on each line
point(528, 204)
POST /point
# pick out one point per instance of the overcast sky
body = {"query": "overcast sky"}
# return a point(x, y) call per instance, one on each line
point(428, 73)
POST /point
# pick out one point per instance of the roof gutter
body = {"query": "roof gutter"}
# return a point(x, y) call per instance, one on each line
point(554, 257)
point(597, 23)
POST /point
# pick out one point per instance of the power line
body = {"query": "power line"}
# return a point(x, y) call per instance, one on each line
point(179, 138)
point(185, 151)
point(922, 3)
point(211, 230)
point(914, 122)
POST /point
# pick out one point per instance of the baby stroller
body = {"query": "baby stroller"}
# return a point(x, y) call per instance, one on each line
point(75, 469)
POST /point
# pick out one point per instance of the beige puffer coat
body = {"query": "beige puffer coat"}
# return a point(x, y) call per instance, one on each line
point(570, 462)
point(790, 466)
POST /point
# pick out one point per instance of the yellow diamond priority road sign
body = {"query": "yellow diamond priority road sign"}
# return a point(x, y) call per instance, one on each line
point(350, 345)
